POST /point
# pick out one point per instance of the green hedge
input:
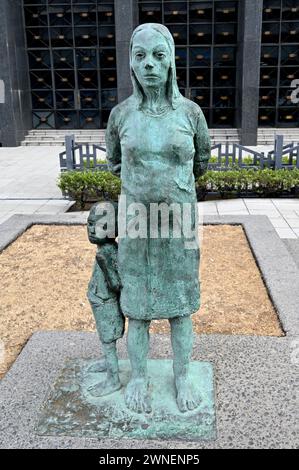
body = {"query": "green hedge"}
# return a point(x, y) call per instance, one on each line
point(264, 182)
point(87, 166)
point(89, 186)
point(248, 160)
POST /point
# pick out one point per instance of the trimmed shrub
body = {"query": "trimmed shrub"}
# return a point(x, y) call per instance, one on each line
point(248, 160)
point(91, 186)
point(264, 182)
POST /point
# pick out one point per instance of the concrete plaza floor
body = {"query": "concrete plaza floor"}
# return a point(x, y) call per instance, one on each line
point(282, 213)
point(28, 181)
point(28, 185)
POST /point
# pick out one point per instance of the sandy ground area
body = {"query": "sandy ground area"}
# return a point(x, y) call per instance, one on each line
point(44, 276)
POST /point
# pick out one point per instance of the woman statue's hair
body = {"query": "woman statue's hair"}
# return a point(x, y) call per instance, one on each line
point(172, 91)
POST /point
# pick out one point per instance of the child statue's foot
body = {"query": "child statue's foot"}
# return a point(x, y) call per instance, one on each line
point(105, 388)
point(99, 366)
point(187, 397)
point(137, 396)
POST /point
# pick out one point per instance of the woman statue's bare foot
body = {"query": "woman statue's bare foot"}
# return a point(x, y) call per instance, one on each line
point(137, 396)
point(105, 388)
point(99, 366)
point(187, 397)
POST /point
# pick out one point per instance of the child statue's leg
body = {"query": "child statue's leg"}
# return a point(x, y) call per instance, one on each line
point(110, 327)
point(99, 366)
point(182, 343)
point(112, 382)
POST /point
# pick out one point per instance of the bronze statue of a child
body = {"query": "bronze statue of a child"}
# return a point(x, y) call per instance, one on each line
point(104, 292)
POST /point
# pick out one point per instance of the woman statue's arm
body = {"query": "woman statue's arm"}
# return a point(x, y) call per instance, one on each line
point(113, 150)
point(202, 144)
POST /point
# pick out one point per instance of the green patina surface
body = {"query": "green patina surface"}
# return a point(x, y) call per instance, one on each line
point(158, 143)
point(70, 409)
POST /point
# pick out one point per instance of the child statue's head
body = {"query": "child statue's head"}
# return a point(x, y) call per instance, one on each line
point(102, 222)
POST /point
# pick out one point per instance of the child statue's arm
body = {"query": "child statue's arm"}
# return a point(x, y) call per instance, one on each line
point(107, 260)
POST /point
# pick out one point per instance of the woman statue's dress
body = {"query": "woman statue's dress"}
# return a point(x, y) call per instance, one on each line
point(157, 158)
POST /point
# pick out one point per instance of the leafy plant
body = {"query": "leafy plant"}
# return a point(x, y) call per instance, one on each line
point(264, 182)
point(91, 163)
point(87, 185)
point(95, 185)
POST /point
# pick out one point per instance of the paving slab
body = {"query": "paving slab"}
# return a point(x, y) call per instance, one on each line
point(260, 201)
point(55, 206)
point(293, 223)
point(255, 379)
point(290, 214)
point(286, 233)
point(230, 202)
point(29, 172)
point(208, 210)
point(233, 212)
point(283, 202)
point(268, 212)
point(4, 217)
point(279, 222)
point(9, 204)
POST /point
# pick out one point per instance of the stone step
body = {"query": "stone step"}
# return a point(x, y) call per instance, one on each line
point(83, 141)
point(285, 134)
point(266, 136)
point(223, 134)
point(58, 143)
point(102, 143)
point(62, 137)
point(102, 131)
point(38, 144)
point(31, 138)
point(62, 129)
point(51, 137)
point(278, 130)
point(54, 134)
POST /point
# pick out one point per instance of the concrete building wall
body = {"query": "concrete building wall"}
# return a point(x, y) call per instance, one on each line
point(126, 19)
point(15, 103)
point(248, 70)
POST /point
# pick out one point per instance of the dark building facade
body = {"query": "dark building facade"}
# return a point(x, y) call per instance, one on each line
point(65, 64)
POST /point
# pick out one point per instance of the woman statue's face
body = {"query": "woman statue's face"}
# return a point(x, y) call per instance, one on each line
point(151, 58)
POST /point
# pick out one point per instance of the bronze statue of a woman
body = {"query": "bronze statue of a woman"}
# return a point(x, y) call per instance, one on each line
point(158, 143)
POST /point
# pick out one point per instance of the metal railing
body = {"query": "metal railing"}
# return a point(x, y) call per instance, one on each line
point(89, 157)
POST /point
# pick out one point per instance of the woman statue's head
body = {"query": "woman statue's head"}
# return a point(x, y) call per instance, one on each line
point(152, 62)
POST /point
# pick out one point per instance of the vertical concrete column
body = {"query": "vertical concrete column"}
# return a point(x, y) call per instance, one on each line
point(15, 101)
point(248, 69)
point(126, 18)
